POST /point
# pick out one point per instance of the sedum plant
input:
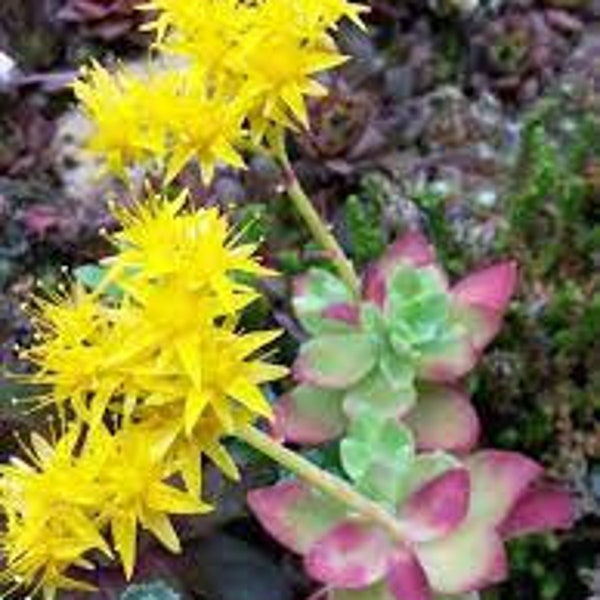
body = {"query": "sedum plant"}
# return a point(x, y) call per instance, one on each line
point(407, 341)
point(147, 366)
point(157, 590)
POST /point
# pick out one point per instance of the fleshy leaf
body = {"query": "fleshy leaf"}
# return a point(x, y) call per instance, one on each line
point(337, 314)
point(294, 514)
point(310, 415)
point(467, 596)
point(411, 249)
point(481, 299)
point(378, 591)
point(336, 361)
point(541, 509)
point(444, 419)
point(93, 276)
point(406, 578)
point(351, 556)
point(447, 360)
point(491, 287)
point(377, 455)
point(498, 480)
point(426, 468)
point(481, 324)
point(314, 295)
point(438, 508)
point(469, 559)
point(382, 395)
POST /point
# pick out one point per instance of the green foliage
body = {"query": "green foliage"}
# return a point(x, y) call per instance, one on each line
point(431, 200)
point(322, 289)
point(554, 195)
point(363, 216)
point(376, 454)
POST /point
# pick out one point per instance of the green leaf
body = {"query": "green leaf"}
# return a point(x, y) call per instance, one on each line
point(296, 514)
point(425, 468)
point(336, 361)
point(398, 369)
point(157, 590)
point(379, 591)
point(317, 290)
point(377, 455)
point(310, 415)
point(418, 308)
point(91, 276)
point(385, 393)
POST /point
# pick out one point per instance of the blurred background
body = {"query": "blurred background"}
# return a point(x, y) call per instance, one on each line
point(478, 122)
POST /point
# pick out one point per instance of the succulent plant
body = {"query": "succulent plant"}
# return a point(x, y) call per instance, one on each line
point(519, 52)
point(398, 352)
point(452, 517)
point(157, 590)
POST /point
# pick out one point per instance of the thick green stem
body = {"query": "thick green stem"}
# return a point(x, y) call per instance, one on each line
point(322, 480)
point(318, 229)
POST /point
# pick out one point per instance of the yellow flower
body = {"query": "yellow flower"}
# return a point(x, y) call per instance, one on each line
point(75, 334)
point(202, 367)
point(48, 504)
point(133, 475)
point(205, 125)
point(169, 116)
point(196, 251)
point(310, 19)
point(281, 71)
point(117, 104)
point(210, 32)
point(185, 452)
point(177, 270)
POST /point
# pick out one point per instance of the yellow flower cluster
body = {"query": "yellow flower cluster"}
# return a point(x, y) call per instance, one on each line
point(243, 67)
point(153, 369)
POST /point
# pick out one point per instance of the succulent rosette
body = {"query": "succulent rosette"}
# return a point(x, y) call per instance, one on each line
point(400, 350)
point(452, 517)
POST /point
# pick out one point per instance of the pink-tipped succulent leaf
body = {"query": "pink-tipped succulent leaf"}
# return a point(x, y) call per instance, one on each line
point(444, 419)
point(310, 415)
point(352, 555)
point(294, 514)
point(454, 523)
point(481, 299)
point(541, 508)
point(412, 249)
point(336, 361)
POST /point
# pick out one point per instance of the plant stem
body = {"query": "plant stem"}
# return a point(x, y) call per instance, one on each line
point(322, 480)
point(318, 229)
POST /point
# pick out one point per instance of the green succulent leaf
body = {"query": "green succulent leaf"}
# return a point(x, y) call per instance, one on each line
point(157, 590)
point(379, 591)
point(91, 276)
point(385, 392)
point(377, 454)
point(336, 361)
point(425, 468)
point(318, 290)
point(311, 415)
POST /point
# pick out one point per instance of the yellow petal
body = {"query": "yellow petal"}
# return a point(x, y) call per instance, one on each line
point(161, 527)
point(165, 498)
point(124, 533)
point(223, 460)
point(195, 404)
point(250, 396)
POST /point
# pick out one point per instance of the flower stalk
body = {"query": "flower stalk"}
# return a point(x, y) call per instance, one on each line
point(322, 480)
point(319, 230)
